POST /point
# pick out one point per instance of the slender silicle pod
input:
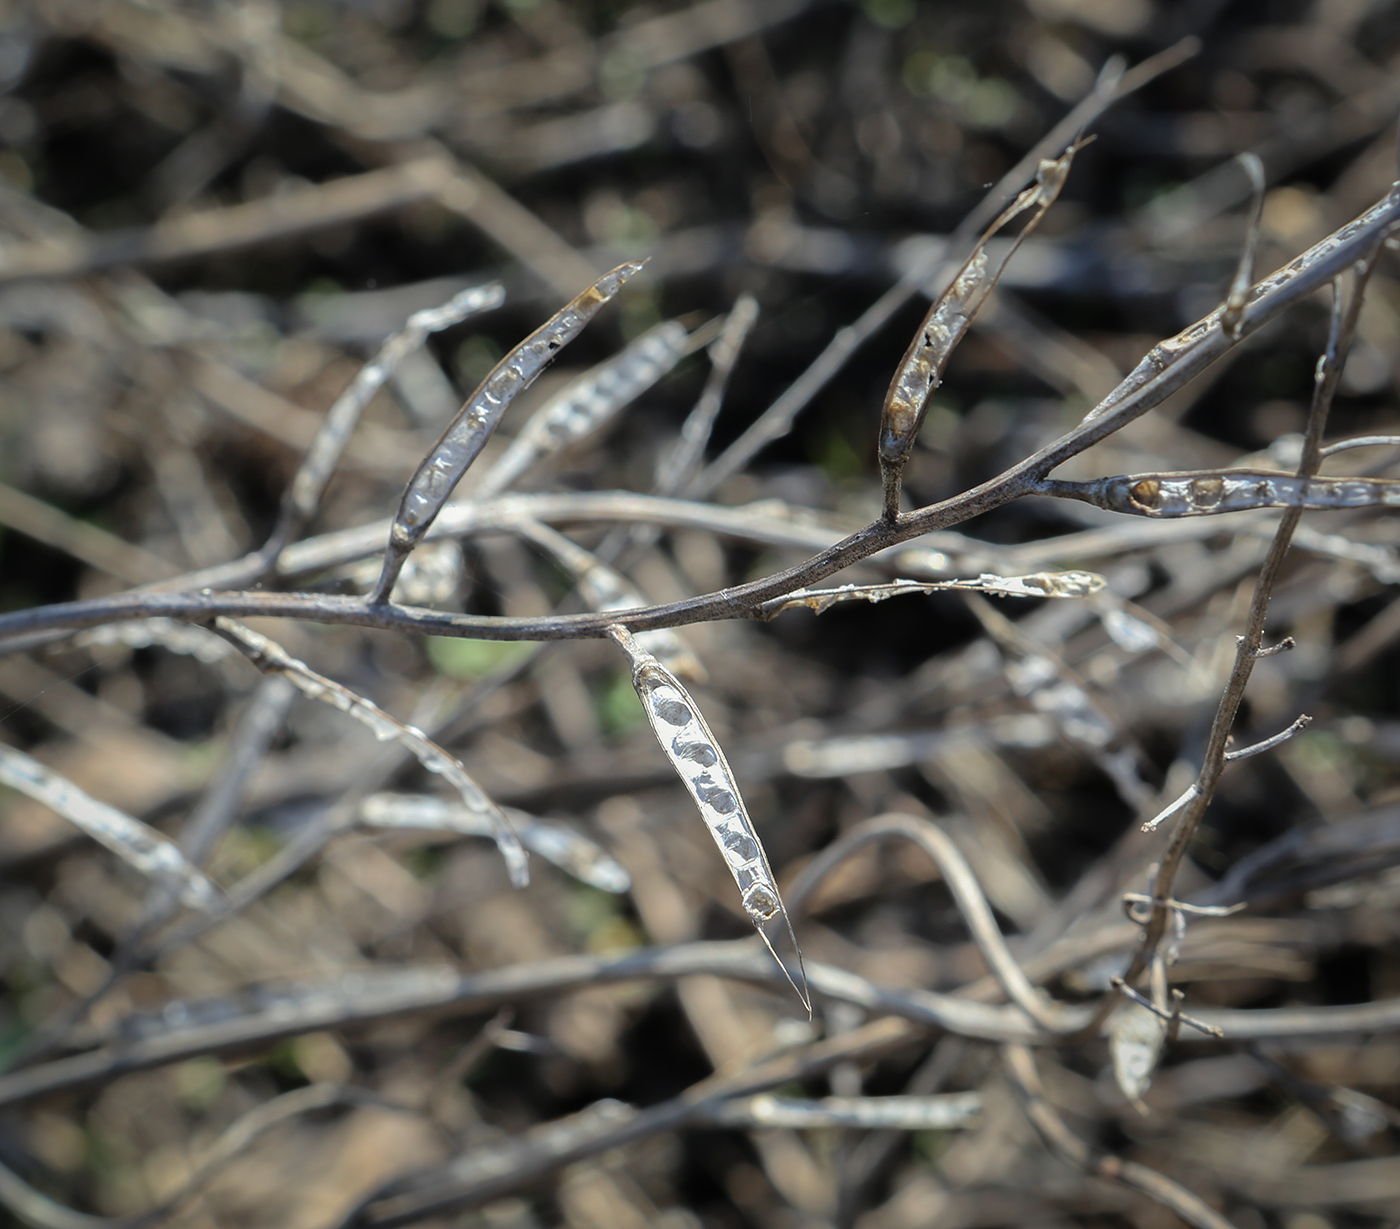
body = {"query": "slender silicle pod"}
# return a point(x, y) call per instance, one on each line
point(156, 857)
point(589, 403)
point(461, 443)
point(301, 498)
point(696, 756)
point(921, 369)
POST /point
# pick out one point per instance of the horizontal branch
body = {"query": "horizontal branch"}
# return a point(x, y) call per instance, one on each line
point(1170, 366)
point(359, 998)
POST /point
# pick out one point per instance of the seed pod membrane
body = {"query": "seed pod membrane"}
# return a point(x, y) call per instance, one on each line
point(921, 369)
point(1037, 584)
point(589, 403)
point(686, 739)
point(170, 634)
point(946, 1112)
point(439, 472)
point(272, 658)
point(1136, 1035)
point(1209, 492)
point(153, 855)
point(304, 494)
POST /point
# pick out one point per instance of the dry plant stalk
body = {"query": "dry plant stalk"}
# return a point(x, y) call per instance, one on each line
point(678, 467)
point(1140, 1025)
point(1346, 310)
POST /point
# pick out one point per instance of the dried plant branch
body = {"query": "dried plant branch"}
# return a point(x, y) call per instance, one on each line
point(1019, 1064)
point(271, 658)
point(1361, 441)
point(1167, 369)
point(32, 1207)
point(481, 1176)
point(281, 216)
point(678, 467)
point(967, 895)
point(982, 718)
point(1299, 724)
point(359, 998)
point(95, 547)
point(1345, 312)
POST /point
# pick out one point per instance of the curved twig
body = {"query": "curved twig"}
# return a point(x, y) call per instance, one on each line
point(967, 895)
point(1019, 1064)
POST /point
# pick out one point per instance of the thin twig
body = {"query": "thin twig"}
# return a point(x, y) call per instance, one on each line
point(1346, 310)
point(358, 999)
point(967, 895)
point(1193, 350)
point(1019, 1064)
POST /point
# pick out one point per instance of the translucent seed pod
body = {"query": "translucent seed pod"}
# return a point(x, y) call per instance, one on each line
point(461, 443)
point(1136, 1035)
point(299, 503)
point(569, 850)
point(1037, 584)
point(153, 855)
point(691, 748)
point(1207, 493)
point(920, 371)
point(272, 658)
point(589, 403)
point(945, 1112)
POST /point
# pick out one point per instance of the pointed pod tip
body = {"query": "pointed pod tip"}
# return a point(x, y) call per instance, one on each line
point(199, 893)
point(612, 281)
point(799, 984)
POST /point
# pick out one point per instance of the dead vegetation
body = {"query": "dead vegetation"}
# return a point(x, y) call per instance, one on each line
point(1052, 762)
